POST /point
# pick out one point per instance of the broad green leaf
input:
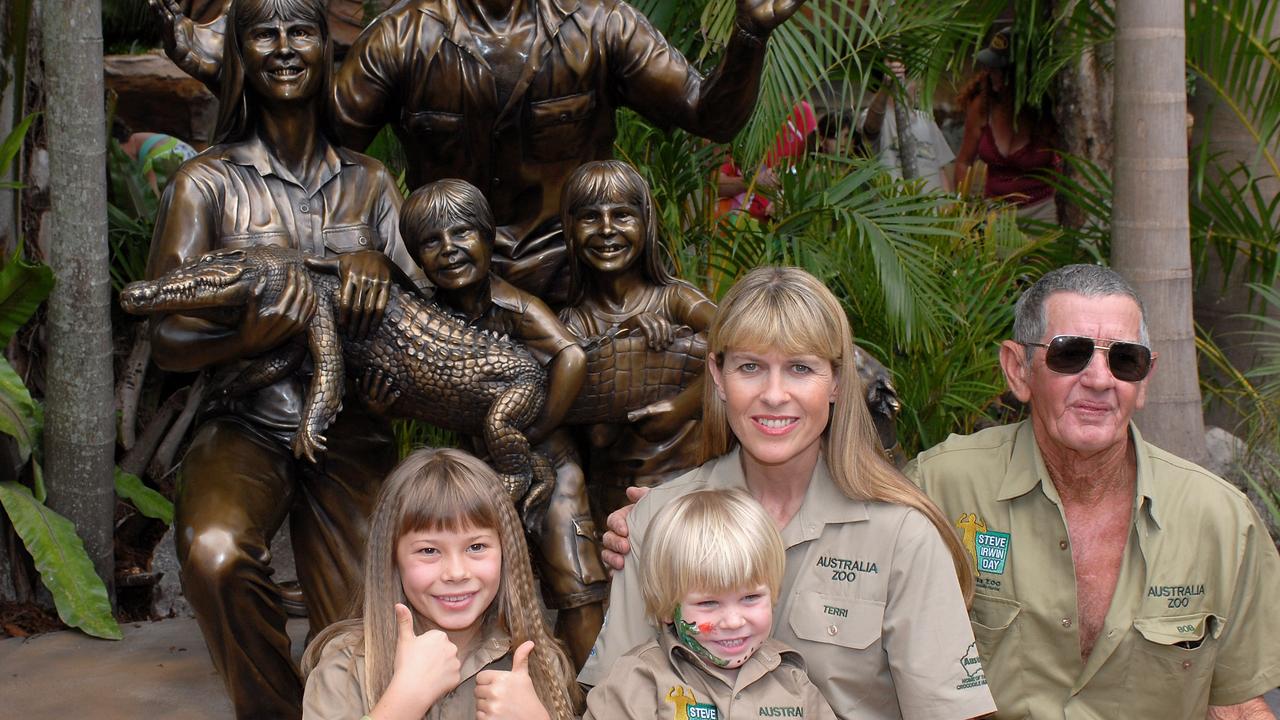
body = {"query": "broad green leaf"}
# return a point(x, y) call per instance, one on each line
point(13, 142)
point(148, 501)
point(23, 286)
point(20, 416)
point(64, 566)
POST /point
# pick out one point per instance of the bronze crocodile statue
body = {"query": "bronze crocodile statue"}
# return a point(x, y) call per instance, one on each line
point(449, 374)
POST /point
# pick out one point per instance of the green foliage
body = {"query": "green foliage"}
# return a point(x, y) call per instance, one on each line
point(21, 417)
point(130, 216)
point(65, 569)
point(149, 502)
point(23, 286)
point(10, 148)
point(414, 434)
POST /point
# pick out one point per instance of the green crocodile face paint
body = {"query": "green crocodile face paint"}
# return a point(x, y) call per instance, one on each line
point(686, 632)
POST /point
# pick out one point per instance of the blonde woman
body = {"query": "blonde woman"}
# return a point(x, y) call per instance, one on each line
point(448, 624)
point(876, 583)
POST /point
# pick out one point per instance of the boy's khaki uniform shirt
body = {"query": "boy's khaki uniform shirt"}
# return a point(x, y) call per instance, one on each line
point(1194, 620)
point(334, 687)
point(870, 600)
point(664, 679)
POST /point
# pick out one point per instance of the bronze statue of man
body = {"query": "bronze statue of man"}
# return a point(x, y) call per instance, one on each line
point(513, 95)
point(275, 178)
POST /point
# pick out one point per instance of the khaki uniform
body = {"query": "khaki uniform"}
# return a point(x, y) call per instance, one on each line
point(334, 686)
point(664, 679)
point(1193, 621)
point(912, 658)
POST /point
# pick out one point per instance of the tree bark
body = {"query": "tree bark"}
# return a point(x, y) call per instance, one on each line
point(1151, 239)
point(1083, 111)
point(78, 434)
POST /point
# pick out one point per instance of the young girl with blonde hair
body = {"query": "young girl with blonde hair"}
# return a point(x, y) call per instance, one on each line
point(448, 624)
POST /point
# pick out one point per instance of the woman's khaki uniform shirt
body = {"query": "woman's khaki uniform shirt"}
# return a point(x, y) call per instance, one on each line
point(663, 679)
point(334, 687)
point(1193, 621)
point(870, 600)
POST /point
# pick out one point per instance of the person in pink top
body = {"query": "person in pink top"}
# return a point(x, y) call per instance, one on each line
point(1018, 148)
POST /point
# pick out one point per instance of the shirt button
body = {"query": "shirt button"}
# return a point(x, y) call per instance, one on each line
point(1062, 544)
point(304, 208)
point(832, 630)
point(1066, 622)
point(497, 181)
point(1186, 664)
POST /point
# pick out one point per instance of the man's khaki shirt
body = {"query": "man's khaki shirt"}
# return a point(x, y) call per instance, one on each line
point(334, 687)
point(664, 679)
point(1194, 620)
point(418, 67)
point(870, 600)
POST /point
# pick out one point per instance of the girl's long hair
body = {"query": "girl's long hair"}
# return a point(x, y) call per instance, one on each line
point(237, 103)
point(447, 490)
point(610, 181)
point(789, 309)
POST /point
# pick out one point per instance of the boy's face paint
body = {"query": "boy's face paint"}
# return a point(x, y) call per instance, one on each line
point(725, 628)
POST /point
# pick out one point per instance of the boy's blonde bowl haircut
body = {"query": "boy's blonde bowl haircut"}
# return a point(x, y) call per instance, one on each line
point(789, 310)
point(710, 541)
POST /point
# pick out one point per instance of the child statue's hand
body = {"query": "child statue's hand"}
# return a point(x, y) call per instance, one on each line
point(509, 695)
point(379, 390)
point(657, 329)
point(426, 668)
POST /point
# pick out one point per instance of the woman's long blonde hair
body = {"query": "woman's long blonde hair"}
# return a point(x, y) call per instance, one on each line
point(448, 490)
point(789, 309)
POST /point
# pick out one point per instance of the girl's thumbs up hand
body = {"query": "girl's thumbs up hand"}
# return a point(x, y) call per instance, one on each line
point(426, 667)
point(509, 695)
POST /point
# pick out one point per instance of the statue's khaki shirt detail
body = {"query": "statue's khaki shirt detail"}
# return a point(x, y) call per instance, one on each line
point(664, 679)
point(334, 686)
point(870, 600)
point(1194, 620)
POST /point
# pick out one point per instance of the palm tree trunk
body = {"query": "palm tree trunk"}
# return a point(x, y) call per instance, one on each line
point(1150, 242)
point(78, 435)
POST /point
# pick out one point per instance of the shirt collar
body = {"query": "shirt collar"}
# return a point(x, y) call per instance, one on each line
point(253, 152)
point(762, 662)
point(493, 644)
point(552, 13)
point(824, 503)
point(1025, 453)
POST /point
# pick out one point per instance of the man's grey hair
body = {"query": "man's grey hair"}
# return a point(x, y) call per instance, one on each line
point(1030, 319)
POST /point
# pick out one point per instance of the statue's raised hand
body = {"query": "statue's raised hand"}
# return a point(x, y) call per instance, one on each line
point(761, 17)
point(197, 49)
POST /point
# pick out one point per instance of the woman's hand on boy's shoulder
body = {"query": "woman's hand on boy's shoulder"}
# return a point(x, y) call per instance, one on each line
point(426, 668)
point(509, 694)
point(616, 546)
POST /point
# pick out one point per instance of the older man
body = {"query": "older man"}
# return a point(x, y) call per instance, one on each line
point(1114, 579)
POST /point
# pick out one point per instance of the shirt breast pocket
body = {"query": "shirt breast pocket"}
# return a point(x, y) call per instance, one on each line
point(559, 126)
point(837, 620)
point(1173, 659)
point(341, 239)
point(439, 133)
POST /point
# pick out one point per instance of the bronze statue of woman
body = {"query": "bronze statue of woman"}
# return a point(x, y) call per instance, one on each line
point(275, 177)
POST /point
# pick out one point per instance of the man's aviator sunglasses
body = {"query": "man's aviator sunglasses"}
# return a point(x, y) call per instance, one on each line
point(1070, 354)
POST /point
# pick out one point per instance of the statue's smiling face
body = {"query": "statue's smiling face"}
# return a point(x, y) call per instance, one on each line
point(283, 59)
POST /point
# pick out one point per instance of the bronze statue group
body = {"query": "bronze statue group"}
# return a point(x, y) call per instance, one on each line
point(780, 566)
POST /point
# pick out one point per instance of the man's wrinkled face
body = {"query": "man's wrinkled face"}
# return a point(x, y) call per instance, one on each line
point(1089, 411)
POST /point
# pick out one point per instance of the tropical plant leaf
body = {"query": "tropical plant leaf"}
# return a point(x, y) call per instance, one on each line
point(148, 501)
point(23, 286)
point(20, 416)
point(65, 568)
point(13, 142)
